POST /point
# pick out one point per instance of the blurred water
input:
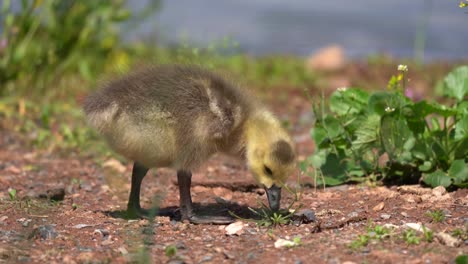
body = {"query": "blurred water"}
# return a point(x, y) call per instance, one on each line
point(301, 26)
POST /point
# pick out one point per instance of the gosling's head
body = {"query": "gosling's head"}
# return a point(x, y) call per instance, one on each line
point(272, 161)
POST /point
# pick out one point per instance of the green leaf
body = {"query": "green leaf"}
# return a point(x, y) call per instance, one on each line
point(422, 109)
point(437, 178)
point(459, 171)
point(348, 101)
point(394, 133)
point(462, 108)
point(367, 133)
point(461, 151)
point(318, 134)
point(461, 259)
point(456, 83)
point(335, 169)
point(426, 166)
point(332, 127)
point(461, 128)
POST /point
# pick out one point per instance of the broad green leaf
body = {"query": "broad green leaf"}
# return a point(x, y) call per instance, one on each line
point(456, 83)
point(394, 133)
point(437, 178)
point(462, 108)
point(318, 134)
point(422, 109)
point(426, 166)
point(351, 100)
point(380, 101)
point(334, 168)
point(461, 259)
point(461, 128)
point(367, 133)
point(332, 127)
point(461, 149)
point(458, 171)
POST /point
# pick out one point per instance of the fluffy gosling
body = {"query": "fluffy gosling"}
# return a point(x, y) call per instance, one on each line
point(178, 116)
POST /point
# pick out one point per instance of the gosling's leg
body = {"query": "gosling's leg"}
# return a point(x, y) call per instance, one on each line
point(184, 179)
point(134, 209)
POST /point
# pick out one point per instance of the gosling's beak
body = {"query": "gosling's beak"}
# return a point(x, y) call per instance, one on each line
point(274, 197)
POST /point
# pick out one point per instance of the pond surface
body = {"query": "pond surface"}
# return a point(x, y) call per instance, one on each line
point(302, 26)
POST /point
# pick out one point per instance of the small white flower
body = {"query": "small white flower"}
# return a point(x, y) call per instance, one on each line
point(403, 68)
point(342, 89)
point(389, 109)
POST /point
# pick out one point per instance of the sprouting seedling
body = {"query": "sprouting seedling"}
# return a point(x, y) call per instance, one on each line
point(12, 193)
point(436, 216)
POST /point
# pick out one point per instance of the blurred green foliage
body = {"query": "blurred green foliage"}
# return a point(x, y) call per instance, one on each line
point(47, 39)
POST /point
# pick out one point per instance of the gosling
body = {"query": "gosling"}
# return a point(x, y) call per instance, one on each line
point(178, 116)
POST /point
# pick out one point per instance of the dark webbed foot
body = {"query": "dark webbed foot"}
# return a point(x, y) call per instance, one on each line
point(184, 179)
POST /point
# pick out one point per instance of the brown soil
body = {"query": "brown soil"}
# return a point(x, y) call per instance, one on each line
point(87, 225)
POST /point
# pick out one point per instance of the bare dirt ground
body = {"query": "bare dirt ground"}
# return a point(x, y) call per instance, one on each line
point(68, 210)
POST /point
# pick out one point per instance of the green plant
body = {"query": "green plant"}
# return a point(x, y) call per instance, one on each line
point(428, 235)
point(47, 39)
point(386, 136)
point(461, 233)
point(374, 232)
point(170, 251)
point(360, 241)
point(410, 237)
point(12, 193)
point(436, 216)
point(378, 232)
point(268, 218)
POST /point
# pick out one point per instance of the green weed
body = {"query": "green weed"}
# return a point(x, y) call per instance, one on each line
point(374, 232)
point(436, 216)
point(410, 237)
point(428, 235)
point(12, 193)
point(359, 130)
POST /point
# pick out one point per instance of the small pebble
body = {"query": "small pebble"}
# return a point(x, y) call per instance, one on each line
point(385, 216)
point(44, 232)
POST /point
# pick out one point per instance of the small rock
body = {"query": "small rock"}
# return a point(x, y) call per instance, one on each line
point(413, 199)
point(24, 222)
point(206, 258)
point(3, 218)
point(413, 189)
point(439, 191)
point(416, 226)
point(235, 228)
point(44, 232)
point(107, 242)
point(280, 243)
point(115, 165)
point(103, 232)
point(80, 226)
point(353, 215)
point(304, 216)
point(405, 214)
point(57, 194)
point(330, 58)
point(447, 239)
point(348, 262)
point(123, 250)
point(228, 255)
point(385, 216)
point(379, 207)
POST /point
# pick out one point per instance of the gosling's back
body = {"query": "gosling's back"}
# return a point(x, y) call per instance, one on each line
point(173, 116)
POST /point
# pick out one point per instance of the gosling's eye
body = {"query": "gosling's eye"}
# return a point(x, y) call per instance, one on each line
point(267, 170)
